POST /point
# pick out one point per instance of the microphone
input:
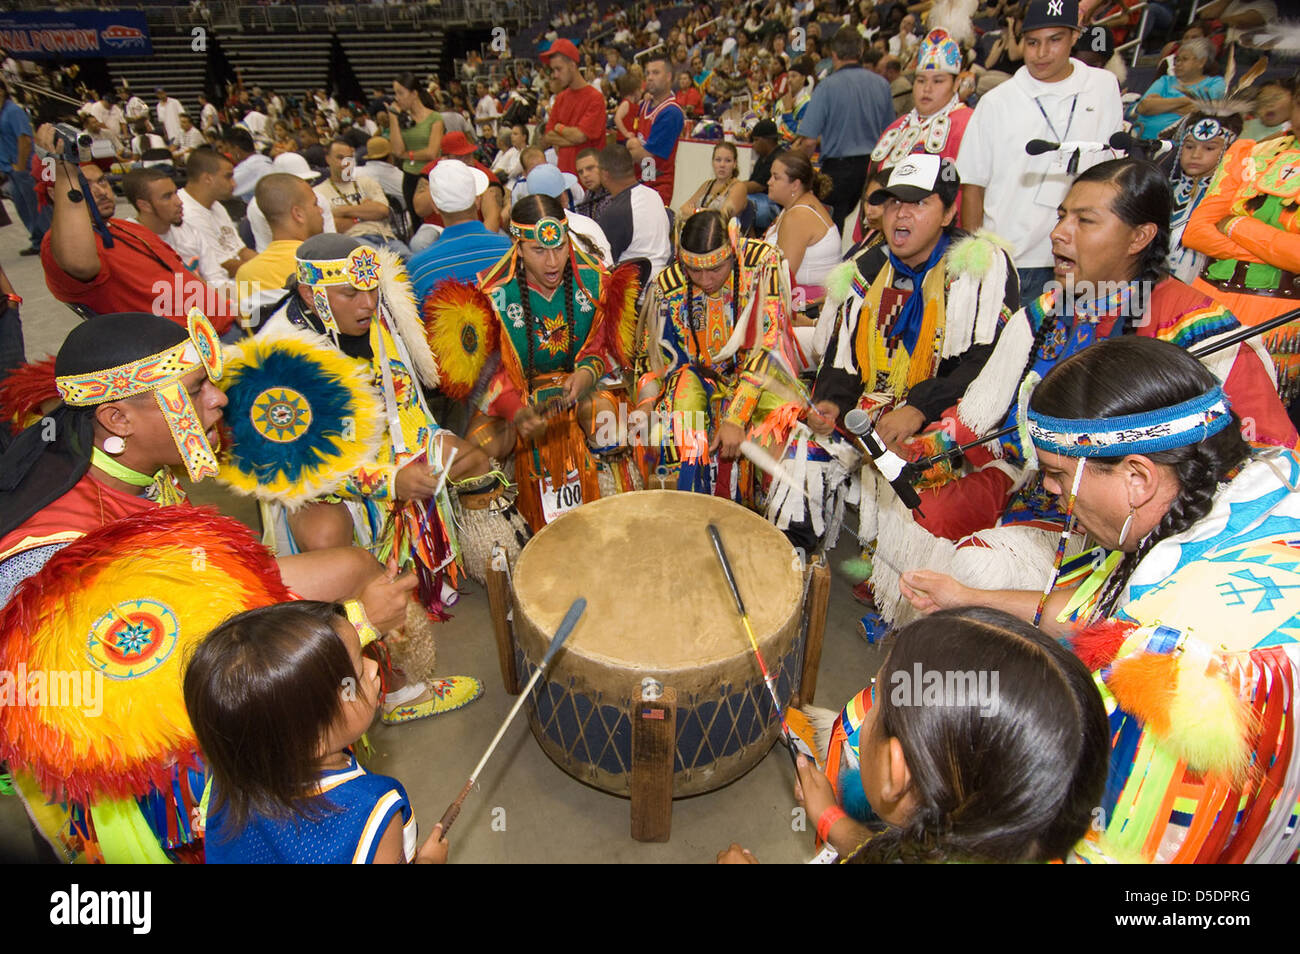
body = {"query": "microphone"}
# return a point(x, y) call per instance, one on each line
point(1036, 147)
point(1150, 148)
point(891, 466)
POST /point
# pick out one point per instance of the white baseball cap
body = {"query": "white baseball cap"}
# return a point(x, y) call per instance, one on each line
point(294, 164)
point(454, 186)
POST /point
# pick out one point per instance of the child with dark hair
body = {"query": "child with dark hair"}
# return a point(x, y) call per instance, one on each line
point(278, 696)
point(985, 740)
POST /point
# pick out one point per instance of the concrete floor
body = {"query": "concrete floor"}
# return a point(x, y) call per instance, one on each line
point(525, 809)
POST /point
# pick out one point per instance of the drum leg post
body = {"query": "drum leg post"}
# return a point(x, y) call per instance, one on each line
point(654, 745)
point(819, 592)
point(498, 588)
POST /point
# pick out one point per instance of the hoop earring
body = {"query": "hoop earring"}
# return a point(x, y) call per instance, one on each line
point(1123, 531)
point(114, 445)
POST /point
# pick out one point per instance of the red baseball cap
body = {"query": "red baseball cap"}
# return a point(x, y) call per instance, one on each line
point(561, 47)
point(455, 144)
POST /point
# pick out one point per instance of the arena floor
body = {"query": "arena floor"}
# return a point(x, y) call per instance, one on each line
point(525, 808)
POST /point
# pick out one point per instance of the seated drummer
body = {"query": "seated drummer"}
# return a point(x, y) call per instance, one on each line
point(115, 443)
point(1196, 532)
point(920, 314)
point(715, 349)
point(337, 293)
point(558, 318)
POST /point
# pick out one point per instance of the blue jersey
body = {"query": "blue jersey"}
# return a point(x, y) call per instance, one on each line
point(356, 809)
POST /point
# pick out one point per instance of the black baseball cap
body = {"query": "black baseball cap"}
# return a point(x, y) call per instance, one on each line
point(764, 129)
point(1051, 13)
point(917, 176)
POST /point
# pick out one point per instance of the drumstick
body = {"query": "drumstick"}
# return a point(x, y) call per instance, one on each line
point(749, 631)
point(566, 627)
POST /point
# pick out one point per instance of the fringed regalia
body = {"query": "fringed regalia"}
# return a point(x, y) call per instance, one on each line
point(706, 360)
point(395, 363)
point(994, 526)
point(513, 353)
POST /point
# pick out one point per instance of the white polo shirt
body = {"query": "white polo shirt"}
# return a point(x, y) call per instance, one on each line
point(213, 226)
point(1022, 191)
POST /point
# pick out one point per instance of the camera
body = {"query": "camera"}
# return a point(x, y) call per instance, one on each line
point(75, 144)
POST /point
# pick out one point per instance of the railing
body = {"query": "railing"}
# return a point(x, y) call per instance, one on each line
point(320, 14)
point(1134, 44)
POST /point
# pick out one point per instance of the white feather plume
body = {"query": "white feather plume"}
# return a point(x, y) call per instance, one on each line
point(955, 17)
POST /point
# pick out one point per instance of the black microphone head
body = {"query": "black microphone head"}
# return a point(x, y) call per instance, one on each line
point(1036, 147)
point(1122, 140)
point(858, 421)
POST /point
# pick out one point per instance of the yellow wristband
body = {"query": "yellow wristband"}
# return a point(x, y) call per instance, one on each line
point(357, 617)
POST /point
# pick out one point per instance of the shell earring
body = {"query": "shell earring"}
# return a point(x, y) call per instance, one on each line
point(114, 445)
point(1123, 531)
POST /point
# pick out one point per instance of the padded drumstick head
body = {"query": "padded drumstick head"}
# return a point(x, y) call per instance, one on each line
point(566, 627)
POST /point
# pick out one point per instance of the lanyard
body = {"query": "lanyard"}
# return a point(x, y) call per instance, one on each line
point(1069, 120)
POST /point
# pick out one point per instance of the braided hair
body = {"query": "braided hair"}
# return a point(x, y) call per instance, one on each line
point(1131, 375)
point(1142, 196)
point(530, 210)
point(1003, 771)
point(703, 232)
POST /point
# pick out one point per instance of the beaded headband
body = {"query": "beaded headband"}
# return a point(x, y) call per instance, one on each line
point(706, 259)
point(360, 270)
point(200, 350)
point(162, 374)
point(1207, 128)
point(548, 232)
point(1187, 423)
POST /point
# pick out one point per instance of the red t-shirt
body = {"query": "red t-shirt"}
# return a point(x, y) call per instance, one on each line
point(86, 507)
point(140, 272)
point(585, 109)
point(691, 102)
point(435, 217)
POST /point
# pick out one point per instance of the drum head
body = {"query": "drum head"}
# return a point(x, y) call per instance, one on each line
point(656, 595)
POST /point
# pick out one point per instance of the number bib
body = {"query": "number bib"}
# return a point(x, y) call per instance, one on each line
point(556, 503)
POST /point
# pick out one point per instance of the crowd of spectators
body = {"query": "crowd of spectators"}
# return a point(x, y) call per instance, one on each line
point(805, 101)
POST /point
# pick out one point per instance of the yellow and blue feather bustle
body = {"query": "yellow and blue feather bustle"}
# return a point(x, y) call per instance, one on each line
point(302, 417)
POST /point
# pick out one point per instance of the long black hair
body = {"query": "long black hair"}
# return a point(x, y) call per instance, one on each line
point(530, 210)
point(703, 232)
point(1006, 772)
point(262, 691)
point(1130, 375)
point(407, 80)
point(1142, 196)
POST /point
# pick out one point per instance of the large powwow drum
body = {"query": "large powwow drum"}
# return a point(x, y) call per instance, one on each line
point(658, 607)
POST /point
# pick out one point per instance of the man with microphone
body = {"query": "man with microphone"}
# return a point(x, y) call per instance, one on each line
point(1054, 99)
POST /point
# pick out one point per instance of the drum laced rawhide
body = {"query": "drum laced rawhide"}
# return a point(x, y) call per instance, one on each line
point(676, 625)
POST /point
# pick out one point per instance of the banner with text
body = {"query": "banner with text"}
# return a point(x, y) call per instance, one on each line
point(74, 33)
